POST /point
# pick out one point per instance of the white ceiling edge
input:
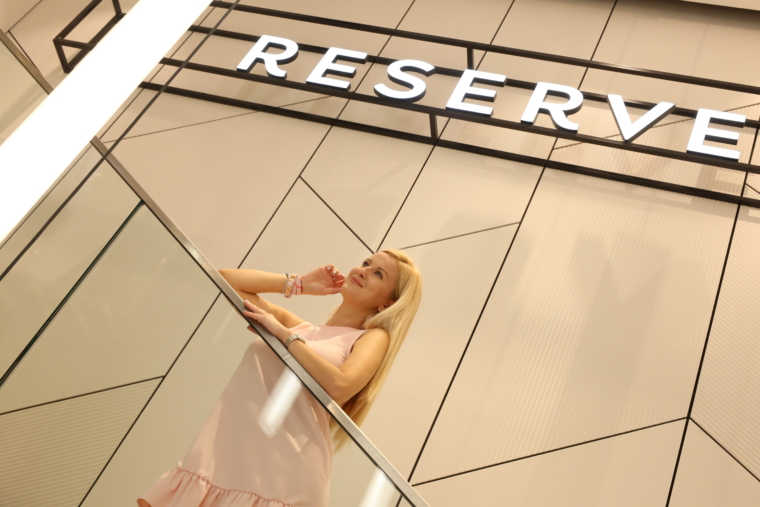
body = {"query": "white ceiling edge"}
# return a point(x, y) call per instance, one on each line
point(43, 146)
point(739, 4)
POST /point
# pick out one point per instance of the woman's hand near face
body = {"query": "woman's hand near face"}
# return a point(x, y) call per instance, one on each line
point(267, 320)
point(322, 281)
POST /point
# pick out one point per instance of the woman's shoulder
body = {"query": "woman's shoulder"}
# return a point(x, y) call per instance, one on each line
point(375, 333)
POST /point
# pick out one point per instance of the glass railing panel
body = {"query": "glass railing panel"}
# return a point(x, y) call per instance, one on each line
point(265, 439)
point(140, 304)
point(38, 275)
point(20, 93)
point(126, 319)
point(356, 480)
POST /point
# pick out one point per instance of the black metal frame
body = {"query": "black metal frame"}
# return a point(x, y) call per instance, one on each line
point(458, 115)
point(471, 46)
point(84, 47)
point(444, 71)
point(434, 112)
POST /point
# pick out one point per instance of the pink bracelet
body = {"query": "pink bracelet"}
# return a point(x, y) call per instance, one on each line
point(293, 286)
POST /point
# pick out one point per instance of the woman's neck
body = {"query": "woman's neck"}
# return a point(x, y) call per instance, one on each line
point(347, 316)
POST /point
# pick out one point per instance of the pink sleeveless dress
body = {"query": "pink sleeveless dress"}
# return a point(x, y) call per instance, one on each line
point(233, 463)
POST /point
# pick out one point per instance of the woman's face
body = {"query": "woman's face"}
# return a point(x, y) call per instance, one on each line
point(372, 283)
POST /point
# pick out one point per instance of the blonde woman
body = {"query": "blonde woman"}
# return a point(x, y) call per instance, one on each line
point(233, 461)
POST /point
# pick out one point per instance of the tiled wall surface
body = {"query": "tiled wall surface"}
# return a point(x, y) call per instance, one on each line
point(581, 342)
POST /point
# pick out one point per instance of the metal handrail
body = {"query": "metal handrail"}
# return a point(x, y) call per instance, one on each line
point(23, 60)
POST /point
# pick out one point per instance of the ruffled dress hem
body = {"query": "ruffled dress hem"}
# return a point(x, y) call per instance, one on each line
point(181, 488)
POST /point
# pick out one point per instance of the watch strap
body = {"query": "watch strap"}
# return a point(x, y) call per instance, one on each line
point(291, 338)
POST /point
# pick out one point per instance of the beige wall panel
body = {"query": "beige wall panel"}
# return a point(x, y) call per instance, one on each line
point(707, 476)
point(44, 275)
point(126, 322)
point(751, 192)
point(166, 113)
point(727, 405)
point(596, 119)
point(575, 26)
point(475, 21)
point(365, 178)
point(560, 27)
point(217, 51)
point(50, 455)
point(683, 38)
point(460, 192)
point(595, 327)
point(221, 181)
point(303, 235)
point(300, 31)
point(672, 134)
point(325, 106)
point(20, 93)
point(36, 31)
point(632, 470)
point(227, 53)
point(438, 90)
point(508, 105)
point(569, 28)
point(386, 14)
point(401, 417)
point(11, 11)
point(439, 55)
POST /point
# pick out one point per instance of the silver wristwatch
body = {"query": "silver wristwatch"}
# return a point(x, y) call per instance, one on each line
point(294, 336)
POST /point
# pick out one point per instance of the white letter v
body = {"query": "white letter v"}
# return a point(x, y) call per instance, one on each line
point(631, 131)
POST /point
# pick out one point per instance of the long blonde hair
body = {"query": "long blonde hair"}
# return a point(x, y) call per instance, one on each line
point(395, 320)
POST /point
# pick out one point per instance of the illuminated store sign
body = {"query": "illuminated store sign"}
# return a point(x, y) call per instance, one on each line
point(414, 89)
